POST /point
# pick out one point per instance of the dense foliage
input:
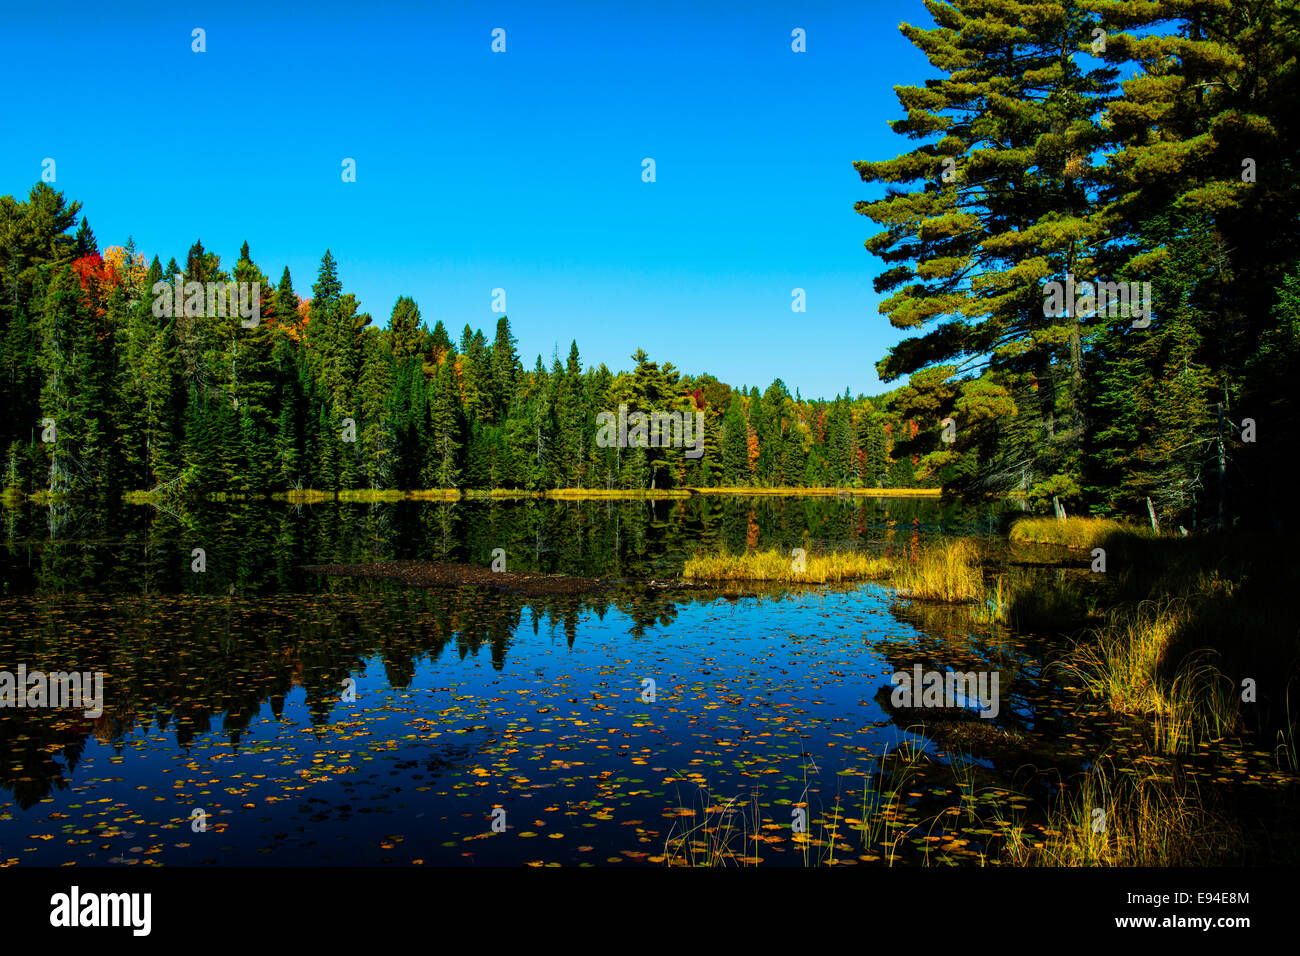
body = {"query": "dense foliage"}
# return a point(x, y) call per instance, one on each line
point(106, 396)
point(1036, 162)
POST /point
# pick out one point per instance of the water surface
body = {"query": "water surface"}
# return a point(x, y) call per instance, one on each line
point(340, 721)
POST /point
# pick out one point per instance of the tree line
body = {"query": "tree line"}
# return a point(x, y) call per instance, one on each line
point(108, 395)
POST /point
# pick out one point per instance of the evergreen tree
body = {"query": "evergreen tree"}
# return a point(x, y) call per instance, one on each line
point(446, 426)
point(505, 369)
point(735, 443)
point(405, 329)
point(85, 240)
point(286, 302)
point(1008, 200)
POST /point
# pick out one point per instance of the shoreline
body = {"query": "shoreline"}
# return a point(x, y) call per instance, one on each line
point(501, 494)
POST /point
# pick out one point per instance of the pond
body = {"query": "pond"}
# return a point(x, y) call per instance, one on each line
point(254, 712)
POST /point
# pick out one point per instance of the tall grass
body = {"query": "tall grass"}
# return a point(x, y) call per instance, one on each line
point(1124, 663)
point(313, 496)
point(600, 494)
point(1285, 751)
point(774, 564)
point(1116, 818)
point(882, 797)
point(1071, 532)
point(949, 571)
point(388, 494)
point(1120, 663)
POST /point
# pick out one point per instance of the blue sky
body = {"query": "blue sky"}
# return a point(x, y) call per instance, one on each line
point(478, 170)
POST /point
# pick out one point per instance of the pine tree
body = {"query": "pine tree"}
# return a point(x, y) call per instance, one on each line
point(79, 361)
point(322, 320)
point(575, 424)
point(439, 343)
point(33, 246)
point(1204, 132)
point(253, 377)
point(1007, 202)
point(476, 378)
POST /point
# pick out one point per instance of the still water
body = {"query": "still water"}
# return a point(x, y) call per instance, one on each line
point(257, 713)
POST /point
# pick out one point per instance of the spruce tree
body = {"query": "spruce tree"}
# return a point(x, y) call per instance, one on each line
point(85, 240)
point(505, 369)
point(405, 329)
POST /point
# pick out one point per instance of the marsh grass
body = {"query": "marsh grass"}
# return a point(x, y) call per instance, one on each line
point(950, 571)
point(1146, 819)
point(302, 496)
point(883, 800)
point(731, 832)
point(881, 827)
point(1125, 664)
point(306, 495)
point(12, 495)
point(888, 823)
point(1077, 532)
point(1285, 752)
point(602, 494)
point(1185, 612)
point(388, 494)
point(774, 564)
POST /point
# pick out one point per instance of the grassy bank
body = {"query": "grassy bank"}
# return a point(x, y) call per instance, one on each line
point(1072, 532)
